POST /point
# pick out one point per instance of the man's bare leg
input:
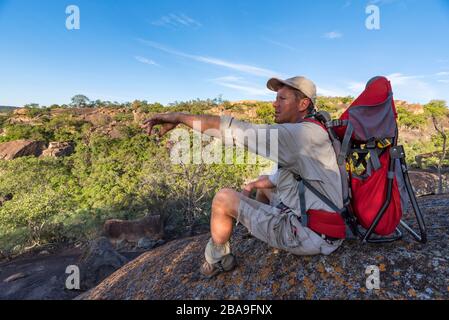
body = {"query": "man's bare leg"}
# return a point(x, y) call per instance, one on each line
point(218, 250)
point(224, 210)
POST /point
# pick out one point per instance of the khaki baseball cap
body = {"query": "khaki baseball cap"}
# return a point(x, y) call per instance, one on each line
point(302, 84)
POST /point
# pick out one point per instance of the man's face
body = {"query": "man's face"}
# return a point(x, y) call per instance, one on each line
point(288, 107)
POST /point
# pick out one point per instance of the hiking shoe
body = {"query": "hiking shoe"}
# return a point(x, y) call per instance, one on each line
point(226, 264)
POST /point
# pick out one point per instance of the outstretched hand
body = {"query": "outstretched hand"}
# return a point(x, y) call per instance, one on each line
point(168, 122)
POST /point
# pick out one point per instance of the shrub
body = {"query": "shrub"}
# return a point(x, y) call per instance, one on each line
point(3, 119)
point(324, 104)
point(23, 131)
point(35, 212)
point(410, 120)
point(265, 112)
point(123, 117)
point(33, 112)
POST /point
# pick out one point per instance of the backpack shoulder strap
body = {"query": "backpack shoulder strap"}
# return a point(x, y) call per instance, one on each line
point(311, 120)
point(320, 196)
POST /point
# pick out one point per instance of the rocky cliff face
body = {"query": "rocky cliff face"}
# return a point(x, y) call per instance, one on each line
point(20, 148)
point(408, 270)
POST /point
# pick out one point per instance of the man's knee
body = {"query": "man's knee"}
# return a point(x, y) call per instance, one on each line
point(225, 199)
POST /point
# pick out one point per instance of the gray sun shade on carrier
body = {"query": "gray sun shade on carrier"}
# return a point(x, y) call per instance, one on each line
point(373, 122)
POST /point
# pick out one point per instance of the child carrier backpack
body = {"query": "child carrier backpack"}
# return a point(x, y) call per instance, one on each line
point(375, 181)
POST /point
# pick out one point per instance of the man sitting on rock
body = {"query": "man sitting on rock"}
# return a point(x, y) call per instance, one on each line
point(305, 150)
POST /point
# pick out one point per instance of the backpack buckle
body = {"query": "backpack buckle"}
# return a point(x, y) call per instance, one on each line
point(371, 145)
point(334, 123)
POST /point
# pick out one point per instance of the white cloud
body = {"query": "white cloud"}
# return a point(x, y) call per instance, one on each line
point(412, 88)
point(177, 21)
point(281, 44)
point(333, 35)
point(238, 67)
point(331, 92)
point(246, 89)
point(253, 70)
point(356, 87)
point(238, 83)
point(444, 73)
point(229, 78)
point(400, 79)
point(145, 61)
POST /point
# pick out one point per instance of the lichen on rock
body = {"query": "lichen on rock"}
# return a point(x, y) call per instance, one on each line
point(408, 270)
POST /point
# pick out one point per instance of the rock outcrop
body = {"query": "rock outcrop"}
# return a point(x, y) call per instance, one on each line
point(99, 261)
point(139, 116)
point(408, 270)
point(132, 231)
point(426, 183)
point(58, 149)
point(21, 148)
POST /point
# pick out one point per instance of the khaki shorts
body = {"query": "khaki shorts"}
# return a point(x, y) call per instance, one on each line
point(282, 229)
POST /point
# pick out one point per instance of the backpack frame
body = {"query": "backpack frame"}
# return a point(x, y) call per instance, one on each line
point(366, 136)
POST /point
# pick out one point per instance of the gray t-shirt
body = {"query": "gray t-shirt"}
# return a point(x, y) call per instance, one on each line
point(303, 148)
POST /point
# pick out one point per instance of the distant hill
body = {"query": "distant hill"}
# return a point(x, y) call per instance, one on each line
point(7, 108)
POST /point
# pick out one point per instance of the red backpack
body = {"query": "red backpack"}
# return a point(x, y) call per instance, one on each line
point(376, 186)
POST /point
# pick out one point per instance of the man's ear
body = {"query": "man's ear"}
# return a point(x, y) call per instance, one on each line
point(304, 104)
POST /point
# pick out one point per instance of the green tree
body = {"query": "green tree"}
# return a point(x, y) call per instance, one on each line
point(439, 113)
point(80, 101)
point(33, 110)
point(98, 104)
point(347, 99)
point(31, 105)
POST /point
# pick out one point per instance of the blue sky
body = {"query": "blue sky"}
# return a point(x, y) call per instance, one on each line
point(180, 50)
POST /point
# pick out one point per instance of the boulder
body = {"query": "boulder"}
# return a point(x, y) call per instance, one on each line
point(21, 148)
point(407, 269)
point(139, 116)
point(99, 261)
point(426, 183)
point(415, 108)
point(98, 118)
point(146, 243)
point(58, 149)
point(132, 231)
point(114, 131)
point(22, 116)
point(20, 112)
